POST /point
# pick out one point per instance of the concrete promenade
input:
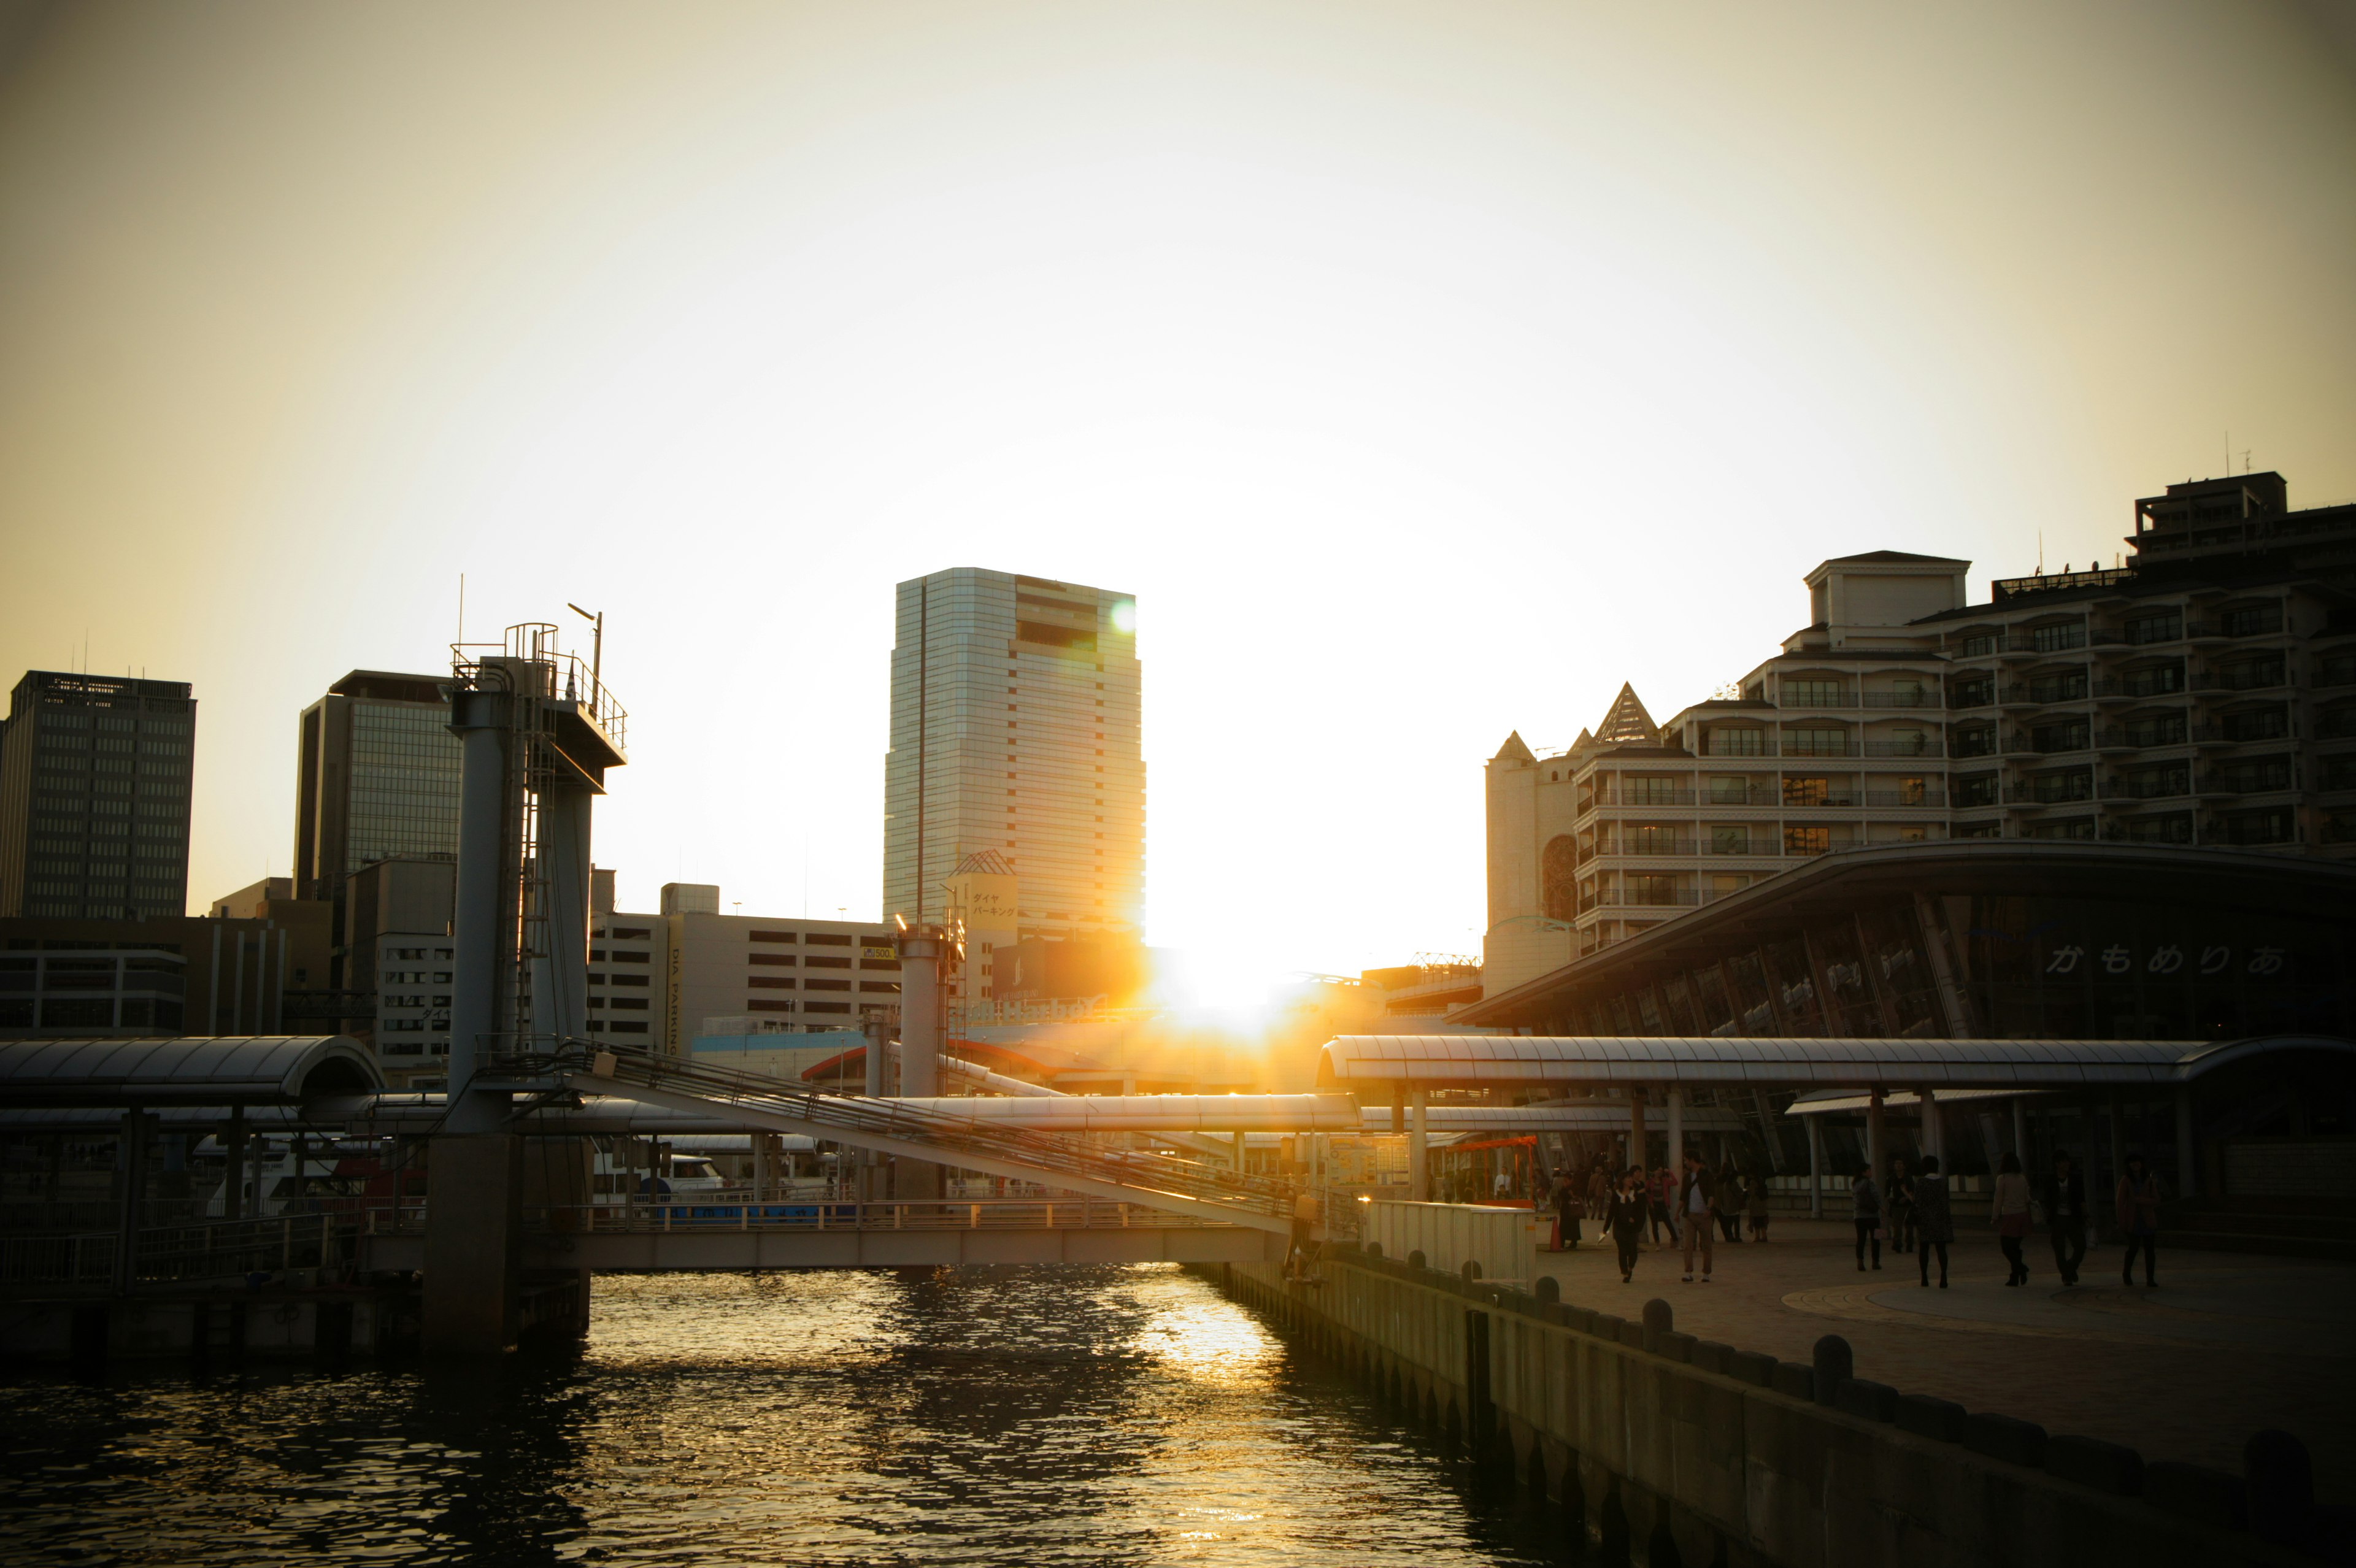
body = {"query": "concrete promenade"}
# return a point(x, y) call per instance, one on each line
point(2230, 1343)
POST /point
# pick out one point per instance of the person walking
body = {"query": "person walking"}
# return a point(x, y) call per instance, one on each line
point(1565, 1212)
point(1308, 1210)
point(1696, 1207)
point(1726, 1205)
point(1662, 1190)
point(1755, 1203)
point(1599, 1193)
point(1901, 1195)
point(1630, 1205)
point(2009, 1213)
point(1865, 1212)
point(2138, 1206)
point(1935, 1221)
point(2064, 1197)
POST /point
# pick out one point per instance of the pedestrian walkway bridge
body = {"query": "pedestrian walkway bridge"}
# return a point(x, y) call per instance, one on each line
point(1031, 1140)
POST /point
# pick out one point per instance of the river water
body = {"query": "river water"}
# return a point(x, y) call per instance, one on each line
point(1125, 1416)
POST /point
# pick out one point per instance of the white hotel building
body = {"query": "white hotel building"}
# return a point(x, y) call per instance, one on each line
point(2204, 692)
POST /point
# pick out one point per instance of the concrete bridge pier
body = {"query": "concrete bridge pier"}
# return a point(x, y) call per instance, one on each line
point(474, 1261)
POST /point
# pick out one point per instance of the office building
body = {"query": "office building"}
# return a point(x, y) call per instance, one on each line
point(377, 780)
point(2202, 692)
point(165, 975)
point(94, 780)
point(397, 955)
point(660, 980)
point(1015, 713)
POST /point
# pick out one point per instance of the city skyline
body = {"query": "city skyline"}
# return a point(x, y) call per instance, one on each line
point(1356, 350)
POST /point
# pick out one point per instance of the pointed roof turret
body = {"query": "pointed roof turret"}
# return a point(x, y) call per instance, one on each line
point(1514, 751)
point(1627, 721)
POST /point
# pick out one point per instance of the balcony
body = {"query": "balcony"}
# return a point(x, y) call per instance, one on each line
point(2219, 783)
point(1925, 747)
point(2029, 696)
point(1906, 799)
point(2167, 787)
point(1618, 898)
point(1971, 697)
point(1654, 848)
point(2033, 796)
point(2021, 743)
point(2258, 677)
point(1900, 699)
point(1788, 699)
point(1642, 797)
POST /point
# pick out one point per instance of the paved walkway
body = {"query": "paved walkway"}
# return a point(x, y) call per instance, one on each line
point(2229, 1344)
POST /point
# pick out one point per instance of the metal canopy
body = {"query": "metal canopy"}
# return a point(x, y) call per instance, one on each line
point(204, 1069)
point(1432, 1061)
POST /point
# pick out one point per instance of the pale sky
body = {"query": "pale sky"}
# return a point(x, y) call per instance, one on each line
point(1426, 371)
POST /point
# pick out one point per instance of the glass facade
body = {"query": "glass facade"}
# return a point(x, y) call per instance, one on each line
point(404, 785)
point(1015, 730)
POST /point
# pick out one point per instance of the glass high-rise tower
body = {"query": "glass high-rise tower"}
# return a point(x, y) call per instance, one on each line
point(1015, 729)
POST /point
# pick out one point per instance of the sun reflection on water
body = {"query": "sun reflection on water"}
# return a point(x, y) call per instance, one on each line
point(1032, 1416)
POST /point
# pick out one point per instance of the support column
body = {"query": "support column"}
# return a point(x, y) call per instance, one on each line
point(2020, 1134)
point(475, 1168)
point(233, 1177)
point(1637, 1154)
point(1419, 1148)
point(879, 1039)
point(1934, 1127)
point(921, 952)
point(1815, 1169)
point(130, 1163)
point(480, 948)
point(1767, 1130)
point(1238, 1157)
point(2187, 1174)
point(1873, 1155)
point(473, 1269)
point(1677, 1131)
point(559, 975)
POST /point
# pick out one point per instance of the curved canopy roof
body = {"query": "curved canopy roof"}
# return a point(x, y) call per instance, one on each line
point(1352, 1060)
point(1562, 1116)
point(202, 1070)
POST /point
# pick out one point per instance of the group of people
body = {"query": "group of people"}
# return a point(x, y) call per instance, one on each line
point(1913, 1212)
point(1694, 1206)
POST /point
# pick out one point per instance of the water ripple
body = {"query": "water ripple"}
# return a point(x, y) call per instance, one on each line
point(1118, 1415)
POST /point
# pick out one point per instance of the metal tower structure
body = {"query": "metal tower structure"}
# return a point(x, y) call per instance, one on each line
point(537, 731)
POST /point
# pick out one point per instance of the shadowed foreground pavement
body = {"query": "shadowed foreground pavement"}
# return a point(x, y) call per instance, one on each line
point(2230, 1343)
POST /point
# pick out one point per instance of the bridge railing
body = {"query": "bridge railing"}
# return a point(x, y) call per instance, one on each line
point(212, 1249)
point(662, 1215)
